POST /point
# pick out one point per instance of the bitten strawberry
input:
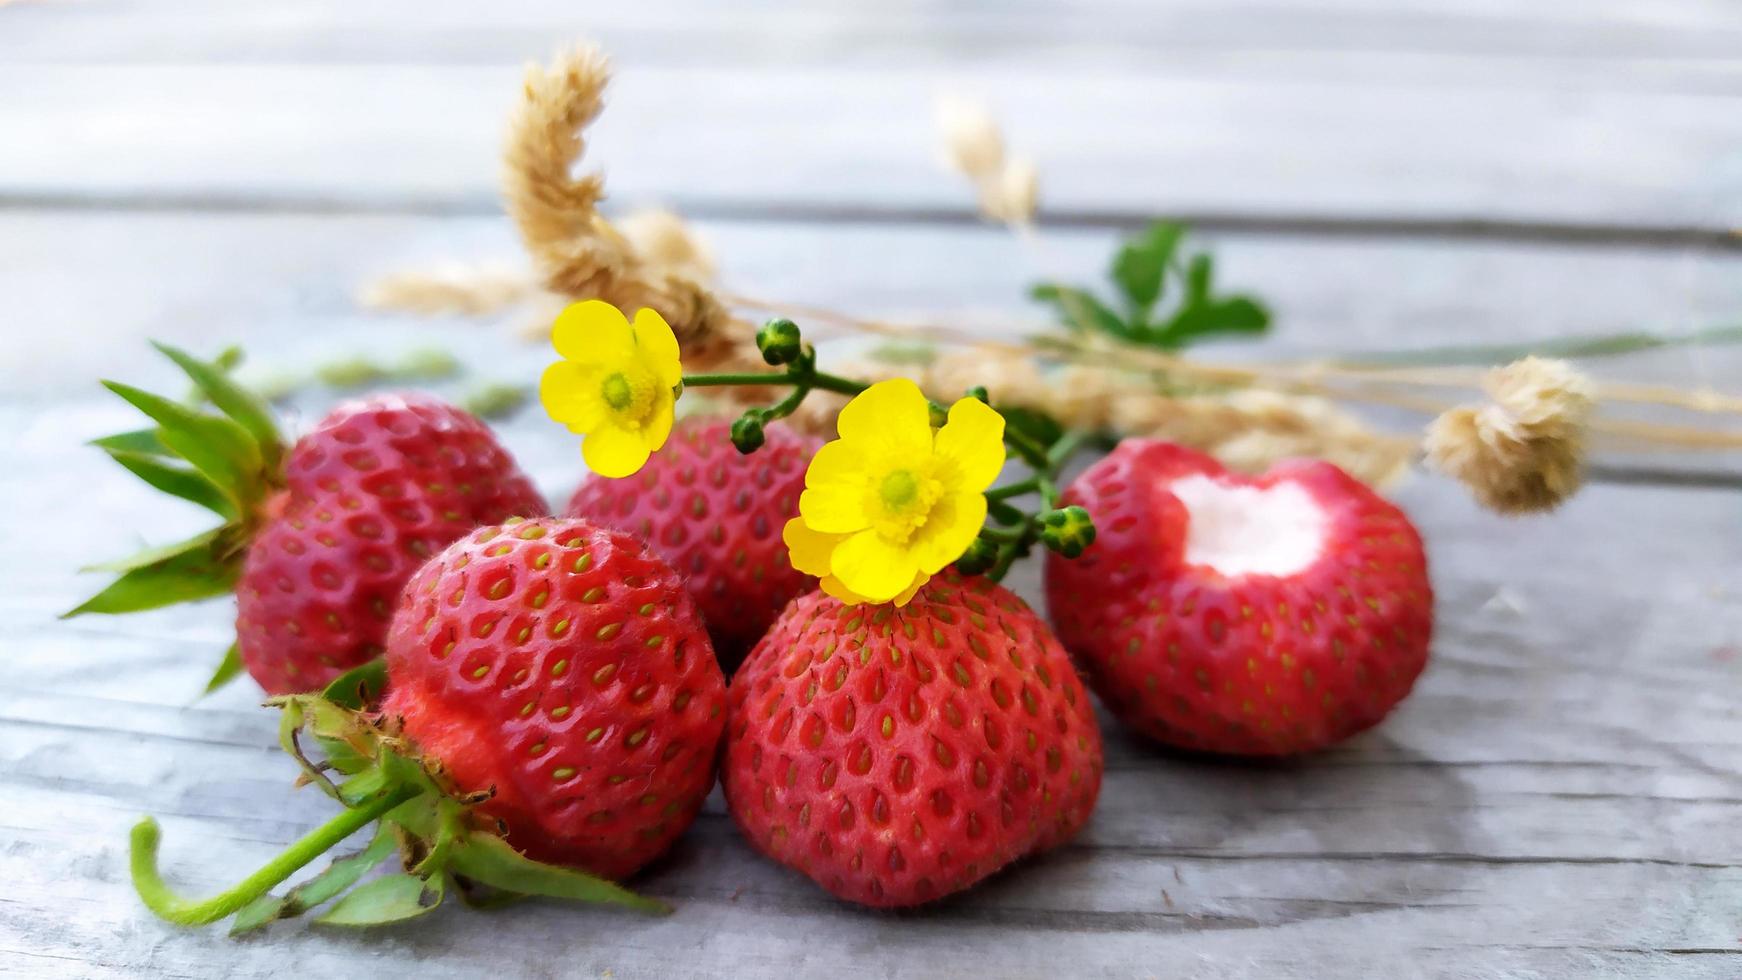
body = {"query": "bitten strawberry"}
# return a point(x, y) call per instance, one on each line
point(716, 515)
point(897, 755)
point(1244, 615)
point(563, 667)
point(319, 540)
point(554, 714)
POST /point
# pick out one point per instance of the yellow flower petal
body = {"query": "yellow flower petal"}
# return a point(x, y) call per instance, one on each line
point(658, 346)
point(973, 440)
point(808, 549)
point(833, 587)
point(658, 428)
point(891, 420)
point(907, 594)
point(954, 522)
point(614, 451)
point(593, 332)
point(570, 395)
point(872, 566)
point(834, 499)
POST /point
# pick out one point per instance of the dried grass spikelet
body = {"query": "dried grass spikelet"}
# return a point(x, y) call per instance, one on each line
point(1524, 451)
point(453, 288)
point(1248, 429)
point(973, 145)
point(577, 253)
point(667, 244)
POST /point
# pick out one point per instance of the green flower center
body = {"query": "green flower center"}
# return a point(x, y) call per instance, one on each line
point(617, 391)
point(902, 502)
point(898, 489)
point(630, 395)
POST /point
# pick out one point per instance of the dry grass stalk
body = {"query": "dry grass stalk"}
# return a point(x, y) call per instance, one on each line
point(1248, 429)
point(1008, 188)
point(577, 253)
point(1524, 451)
point(451, 288)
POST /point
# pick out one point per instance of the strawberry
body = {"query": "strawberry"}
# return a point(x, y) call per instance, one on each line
point(553, 713)
point(319, 540)
point(716, 515)
point(898, 755)
point(1244, 615)
point(374, 490)
point(563, 666)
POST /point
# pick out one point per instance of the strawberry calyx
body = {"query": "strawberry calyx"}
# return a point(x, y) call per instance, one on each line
point(379, 778)
point(220, 450)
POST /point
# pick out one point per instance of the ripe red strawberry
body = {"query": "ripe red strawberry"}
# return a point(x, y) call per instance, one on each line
point(1245, 615)
point(564, 666)
point(897, 755)
point(377, 488)
point(716, 515)
point(317, 541)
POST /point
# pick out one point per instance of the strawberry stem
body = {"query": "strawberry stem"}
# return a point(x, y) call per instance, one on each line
point(169, 906)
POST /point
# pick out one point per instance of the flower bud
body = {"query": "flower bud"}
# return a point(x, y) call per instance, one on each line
point(747, 433)
point(1068, 530)
point(779, 341)
point(978, 559)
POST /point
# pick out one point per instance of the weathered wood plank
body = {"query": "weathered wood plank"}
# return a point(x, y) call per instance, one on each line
point(1560, 796)
point(285, 287)
point(284, 282)
point(1137, 139)
point(1263, 33)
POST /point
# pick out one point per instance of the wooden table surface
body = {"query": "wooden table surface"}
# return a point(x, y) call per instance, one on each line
point(1559, 798)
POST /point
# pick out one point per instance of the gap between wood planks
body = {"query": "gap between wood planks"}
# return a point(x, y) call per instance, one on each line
point(1420, 227)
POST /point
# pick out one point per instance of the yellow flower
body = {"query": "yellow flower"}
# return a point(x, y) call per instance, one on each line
point(891, 502)
point(616, 384)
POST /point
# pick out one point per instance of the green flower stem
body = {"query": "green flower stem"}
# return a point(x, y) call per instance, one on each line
point(1008, 552)
point(1062, 450)
point(807, 379)
point(1049, 491)
point(169, 906)
point(1032, 453)
point(786, 406)
point(1013, 490)
point(1598, 345)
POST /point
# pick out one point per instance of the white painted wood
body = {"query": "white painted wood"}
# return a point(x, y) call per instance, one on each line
point(285, 288)
point(1126, 32)
point(1561, 796)
point(1160, 138)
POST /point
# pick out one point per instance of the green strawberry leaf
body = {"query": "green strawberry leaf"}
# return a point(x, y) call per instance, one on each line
point(138, 441)
point(177, 481)
point(490, 860)
point(221, 449)
point(1140, 266)
point(257, 914)
point(1198, 276)
point(390, 898)
point(1036, 425)
point(1234, 315)
point(228, 669)
point(205, 543)
point(341, 874)
point(360, 687)
point(1080, 310)
point(182, 576)
point(243, 407)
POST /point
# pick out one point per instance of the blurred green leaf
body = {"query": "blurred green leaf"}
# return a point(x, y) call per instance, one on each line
point(390, 898)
